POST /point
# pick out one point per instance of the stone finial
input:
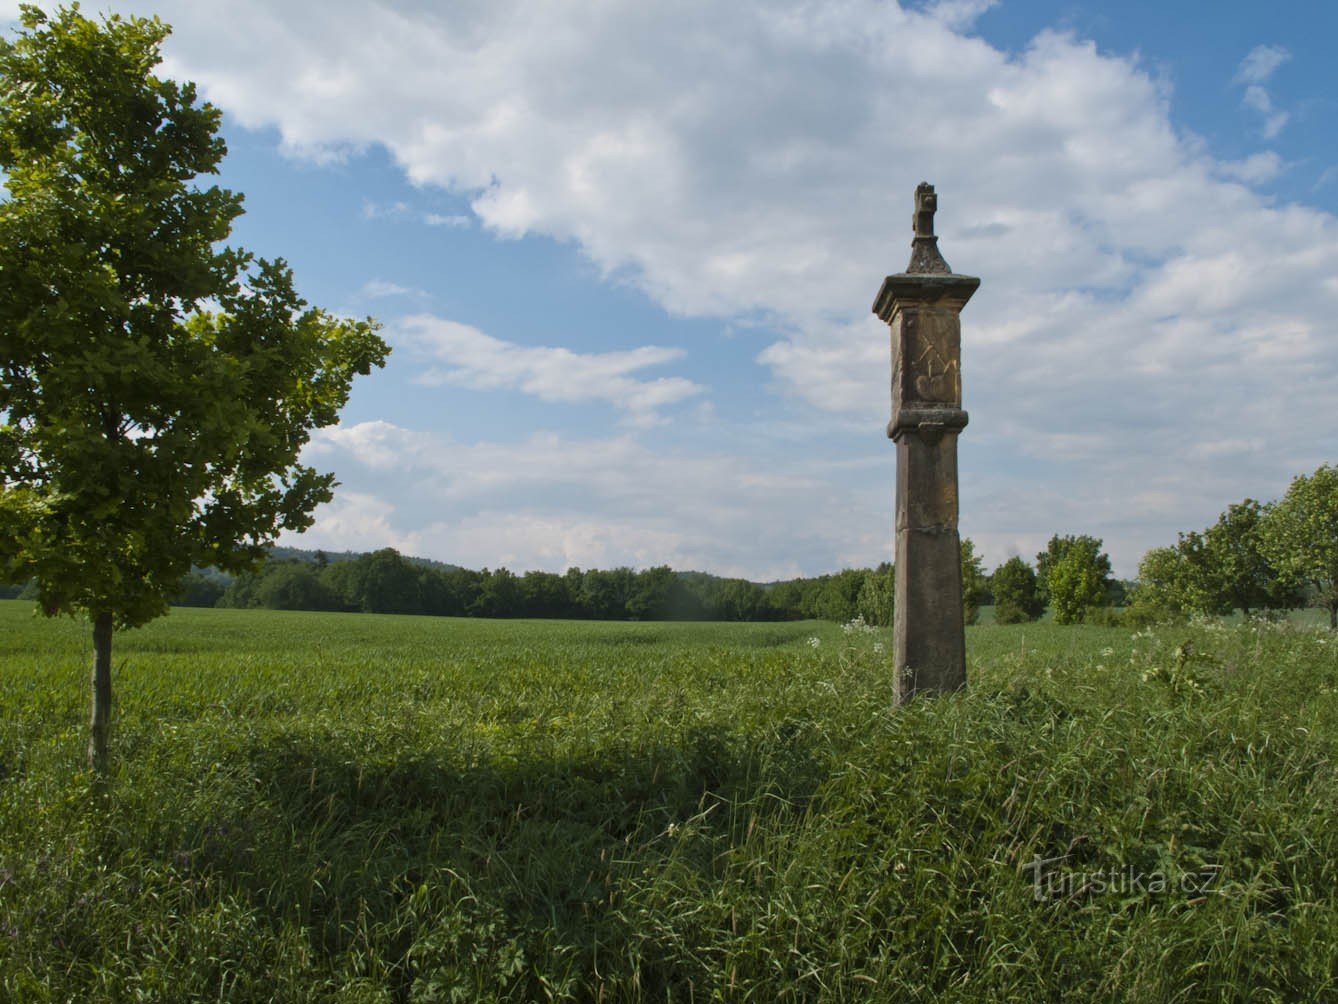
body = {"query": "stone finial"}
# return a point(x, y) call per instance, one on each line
point(926, 205)
point(925, 257)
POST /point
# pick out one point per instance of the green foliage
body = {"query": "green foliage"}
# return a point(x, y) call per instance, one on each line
point(574, 811)
point(877, 596)
point(1076, 574)
point(142, 434)
point(386, 582)
point(1016, 597)
point(1163, 593)
point(1300, 537)
point(197, 590)
point(1226, 568)
point(975, 584)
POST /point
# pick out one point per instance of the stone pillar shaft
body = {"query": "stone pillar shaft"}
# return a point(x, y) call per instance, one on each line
point(929, 651)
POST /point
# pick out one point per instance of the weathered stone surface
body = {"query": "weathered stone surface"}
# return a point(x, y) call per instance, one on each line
point(921, 307)
point(925, 257)
point(929, 651)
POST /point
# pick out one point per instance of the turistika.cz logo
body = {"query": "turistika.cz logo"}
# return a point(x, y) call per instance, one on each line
point(1049, 881)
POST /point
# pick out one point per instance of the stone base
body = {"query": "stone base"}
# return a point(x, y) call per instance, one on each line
point(930, 646)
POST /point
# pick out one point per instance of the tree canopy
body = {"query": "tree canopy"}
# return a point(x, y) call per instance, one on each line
point(1016, 598)
point(1300, 537)
point(1076, 575)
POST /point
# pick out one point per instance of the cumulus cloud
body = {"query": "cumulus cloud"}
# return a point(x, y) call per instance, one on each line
point(552, 502)
point(959, 14)
point(757, 160)
point(469, 358)
point(354, 521)
point(1259, 64)
point(1254, 169)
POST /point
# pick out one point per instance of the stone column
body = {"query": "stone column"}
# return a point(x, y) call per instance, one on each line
point(921, 307)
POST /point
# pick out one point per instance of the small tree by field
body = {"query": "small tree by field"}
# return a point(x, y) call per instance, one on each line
point(1076, 574)
point(1016, 597)
point(140, 432)
point(1300, 537)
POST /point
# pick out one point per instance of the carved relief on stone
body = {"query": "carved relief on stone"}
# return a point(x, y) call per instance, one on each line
point(935, 350)
point(926, 368)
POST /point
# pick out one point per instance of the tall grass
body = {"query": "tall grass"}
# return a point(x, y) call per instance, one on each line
point(351, 808)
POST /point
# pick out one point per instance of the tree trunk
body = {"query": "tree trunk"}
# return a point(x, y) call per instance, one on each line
point(100, 723)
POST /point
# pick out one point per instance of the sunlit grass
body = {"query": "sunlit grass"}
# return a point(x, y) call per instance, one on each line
point(315, 807)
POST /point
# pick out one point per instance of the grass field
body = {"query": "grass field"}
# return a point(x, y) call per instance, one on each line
point(313, 807)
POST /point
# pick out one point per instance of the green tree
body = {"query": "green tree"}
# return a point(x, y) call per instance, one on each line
point(740, 600)
point(1234, 572)
point(877, 595)
point(651, 594)
point(382, 582)
point(544, 594)
point(604, 594)
point(1077, 576)
point(1163, 593)
point(499, 595)
point(974, 583)
point(1300, 537)
point(1016, 598)
point(293, 585)
point(198, 591)
point(1199, 580)
point(139, 432)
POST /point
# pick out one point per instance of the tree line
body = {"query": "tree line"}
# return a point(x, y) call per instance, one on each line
point(1257, 557)
point(385, 581)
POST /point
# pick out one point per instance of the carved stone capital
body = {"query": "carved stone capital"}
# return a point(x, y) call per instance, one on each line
point(908, 288)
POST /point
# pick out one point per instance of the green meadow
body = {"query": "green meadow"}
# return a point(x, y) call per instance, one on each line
point(360, 808)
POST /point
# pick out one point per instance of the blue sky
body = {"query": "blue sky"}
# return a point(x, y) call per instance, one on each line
point(625, 252)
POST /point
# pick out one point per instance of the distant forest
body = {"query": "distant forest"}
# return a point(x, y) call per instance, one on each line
point(387, 582)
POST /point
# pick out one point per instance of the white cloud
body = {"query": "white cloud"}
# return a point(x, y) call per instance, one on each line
point(1254, 169)
point(381, 288)
point(384, 210)
point(469, 358)
point(440, 220)
point(959, 14)
point(1257, 99)
point(1254, 70)
point(551, 502)
point(353, 521)
point(757, 160)
point(1259, 64)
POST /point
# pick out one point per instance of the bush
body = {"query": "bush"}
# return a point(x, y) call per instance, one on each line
point(1106, 617)
point(1016, 597)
